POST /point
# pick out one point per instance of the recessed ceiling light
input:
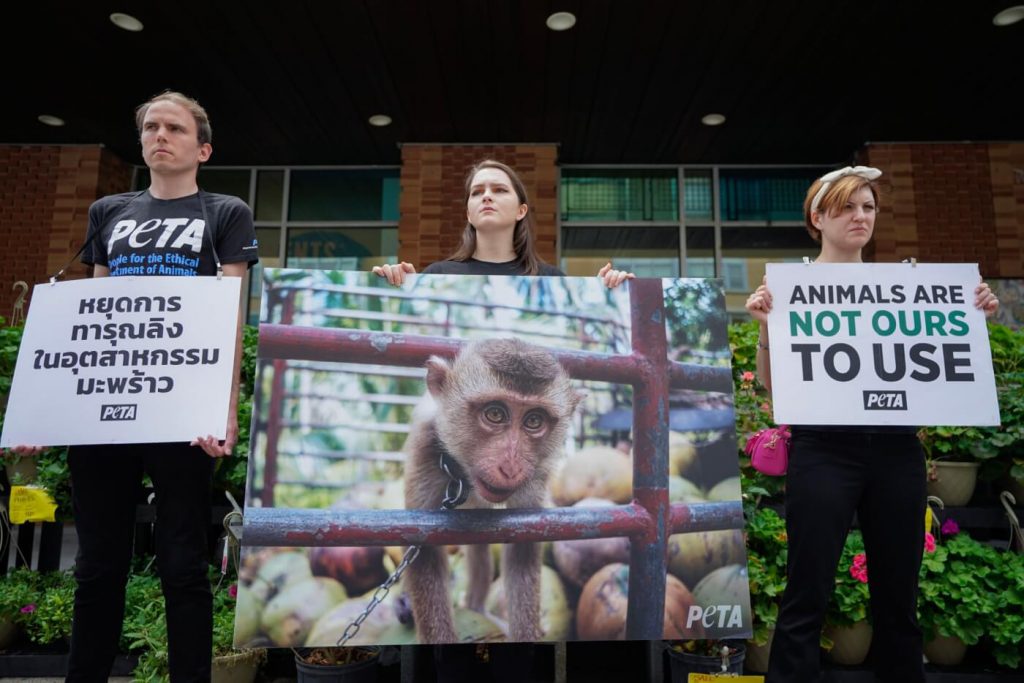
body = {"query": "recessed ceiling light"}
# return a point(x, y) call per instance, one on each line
point(50, 120)
point(713, 120)
point(126, 21)
point(380, 120)
point(561, 21)
point(1010, 15)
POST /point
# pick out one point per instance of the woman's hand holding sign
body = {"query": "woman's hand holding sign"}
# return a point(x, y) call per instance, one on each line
point(985, 299)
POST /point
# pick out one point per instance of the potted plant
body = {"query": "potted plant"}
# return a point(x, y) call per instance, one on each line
point(958, 456)
point(18, 595)
point(704, 656)
point(337, 664)
point(231, 665)
point(957, 597)
point(847, 633)
point(766, 571)
point(1004, 637)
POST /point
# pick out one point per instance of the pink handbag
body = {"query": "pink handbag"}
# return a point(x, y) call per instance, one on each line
point(769, 450)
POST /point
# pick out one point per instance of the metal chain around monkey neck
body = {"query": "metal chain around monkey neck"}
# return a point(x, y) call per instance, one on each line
point(455, 494)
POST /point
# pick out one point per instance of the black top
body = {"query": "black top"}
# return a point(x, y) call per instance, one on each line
point(858, 429)
point(135, 233)
point(474, 267)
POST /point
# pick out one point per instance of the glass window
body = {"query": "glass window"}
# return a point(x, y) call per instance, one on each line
point(269, 195)
point(614, 195)
point(754, 246)
point(341, 248)
point(340, 195)
point(775, 194)
point(270, 257)
point(646, 251)
point(698, 197)
point(225, 181)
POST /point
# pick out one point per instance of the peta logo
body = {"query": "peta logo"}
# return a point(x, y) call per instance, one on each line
point(722, 616)
point(117, 412)
point(885, 400)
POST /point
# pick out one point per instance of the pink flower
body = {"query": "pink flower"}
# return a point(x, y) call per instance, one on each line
point(859, 568)
point(929, 542)
point(747, 376)
point(29, 608)
point(766, 407)
point(233, 590)
point(950, 527)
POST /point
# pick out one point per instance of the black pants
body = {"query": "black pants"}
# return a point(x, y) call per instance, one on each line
point(106, 482)
point(831, 475)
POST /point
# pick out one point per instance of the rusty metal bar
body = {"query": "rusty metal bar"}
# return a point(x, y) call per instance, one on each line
point(273, 421)
point(295, 527)
point(294, 342)
point(648, 561)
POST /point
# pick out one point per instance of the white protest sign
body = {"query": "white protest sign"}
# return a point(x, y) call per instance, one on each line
point(879, 344)
point(124, 360)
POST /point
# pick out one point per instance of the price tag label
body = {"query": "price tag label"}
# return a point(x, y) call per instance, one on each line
point(31, 504)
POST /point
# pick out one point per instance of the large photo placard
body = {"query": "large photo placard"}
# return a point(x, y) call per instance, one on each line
point(124, 360)
point(488, 418)
point(879, 344)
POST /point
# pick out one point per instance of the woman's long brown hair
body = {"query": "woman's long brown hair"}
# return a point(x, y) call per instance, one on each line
point(522, 234)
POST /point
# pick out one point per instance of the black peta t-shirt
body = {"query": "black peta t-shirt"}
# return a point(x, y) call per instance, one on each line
point(474, 267)
point(142, 235)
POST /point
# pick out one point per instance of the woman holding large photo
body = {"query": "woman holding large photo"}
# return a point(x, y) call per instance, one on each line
point(497, 240)
point(877, 472)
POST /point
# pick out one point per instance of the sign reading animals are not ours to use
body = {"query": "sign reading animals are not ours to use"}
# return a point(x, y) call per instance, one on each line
point(879, 344)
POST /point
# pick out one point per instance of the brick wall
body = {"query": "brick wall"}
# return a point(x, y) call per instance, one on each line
point(45, 192)
point(432, 203)
point(947, 203)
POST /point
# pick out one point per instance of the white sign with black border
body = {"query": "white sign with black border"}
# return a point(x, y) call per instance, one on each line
point(879, 344)
point(124, 360)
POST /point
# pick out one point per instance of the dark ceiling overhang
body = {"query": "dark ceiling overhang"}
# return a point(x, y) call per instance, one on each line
point(294, 83)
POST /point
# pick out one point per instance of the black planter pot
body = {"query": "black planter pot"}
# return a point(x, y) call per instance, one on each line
point(682, 664)
point(358, 672)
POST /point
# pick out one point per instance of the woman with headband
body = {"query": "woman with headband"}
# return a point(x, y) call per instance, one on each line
point(876, 471)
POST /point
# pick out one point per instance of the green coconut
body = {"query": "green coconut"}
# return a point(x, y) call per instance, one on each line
point(682, 490)
point(594, 472)
point(681, 453)
point(555, 615)
point(279, 572)
point(726, 586)
point(693, 556)
point(727, 489)
point(289, 617)
point(248, 609)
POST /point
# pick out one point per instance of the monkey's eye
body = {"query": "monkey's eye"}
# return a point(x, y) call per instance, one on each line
point(495, 413)
point(533, 421)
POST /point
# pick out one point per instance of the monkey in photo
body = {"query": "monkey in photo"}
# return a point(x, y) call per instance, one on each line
point(499, 414)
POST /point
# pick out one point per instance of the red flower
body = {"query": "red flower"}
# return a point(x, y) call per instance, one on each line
point(233, 590)
point(29, 608)
point(859, 568)
point(929, 542)
point(747, 376)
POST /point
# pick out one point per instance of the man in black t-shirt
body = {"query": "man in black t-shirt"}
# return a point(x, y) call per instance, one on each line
point(172, 228)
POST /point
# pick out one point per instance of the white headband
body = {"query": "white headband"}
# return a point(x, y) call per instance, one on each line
point(865, 172)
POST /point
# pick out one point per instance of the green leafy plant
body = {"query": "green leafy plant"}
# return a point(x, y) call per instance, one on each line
point(41, 603)
point(849, 601)
point(766, 569)
point(1000, 450)
point(753, 407)
point(964, 589)
point(1005, 634)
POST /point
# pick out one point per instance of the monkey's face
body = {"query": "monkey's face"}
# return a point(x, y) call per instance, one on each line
point(512, 438)
point(503, 412)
